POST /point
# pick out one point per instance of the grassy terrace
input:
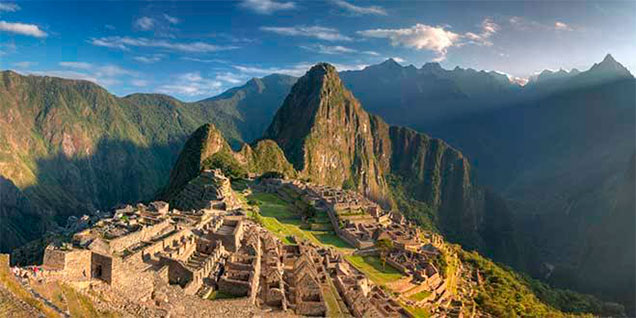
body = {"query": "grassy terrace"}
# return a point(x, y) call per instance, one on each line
point(372, 267)
point(279, 218)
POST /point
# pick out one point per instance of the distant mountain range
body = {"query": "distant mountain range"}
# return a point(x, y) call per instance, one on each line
point(557, 151)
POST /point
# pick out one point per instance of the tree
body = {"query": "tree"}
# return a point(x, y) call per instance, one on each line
point(384, 246)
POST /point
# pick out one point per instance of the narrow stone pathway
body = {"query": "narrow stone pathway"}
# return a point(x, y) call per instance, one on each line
point(39, 297)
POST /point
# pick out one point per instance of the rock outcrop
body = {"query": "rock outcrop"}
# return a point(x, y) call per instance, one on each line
point(327, 135)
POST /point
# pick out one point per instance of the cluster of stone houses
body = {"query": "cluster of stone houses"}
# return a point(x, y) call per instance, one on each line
point(214, 247)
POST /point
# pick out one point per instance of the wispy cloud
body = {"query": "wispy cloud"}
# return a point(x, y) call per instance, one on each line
point(9, 7)
point(77, 65)
point(24, 64)
point(22, 28)
point(524, 24)
point(231, 78)
point(105, 75)
point(488, 28)
point(124, 43)
point(139, 83)
point(326, 49)
point(192, 84)
point(267, 6)
point(145, 23)
point(359, 10)
point(194, 59)
point(373, 53)
point(171, 19)
point(149, 59)
point(318, 32)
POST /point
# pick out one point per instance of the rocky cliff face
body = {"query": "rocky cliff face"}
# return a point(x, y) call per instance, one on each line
point(327, 135)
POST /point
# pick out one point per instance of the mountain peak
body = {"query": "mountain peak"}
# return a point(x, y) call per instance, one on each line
point(432, 67)
point(321, 69)
point(609, 68)
point(609, 59)
point(390, 62)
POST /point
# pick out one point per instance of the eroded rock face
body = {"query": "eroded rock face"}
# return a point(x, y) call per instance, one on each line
point(327, 135)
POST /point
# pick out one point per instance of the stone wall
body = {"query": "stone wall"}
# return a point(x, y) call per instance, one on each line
point(77, 265)
point(54, 259)
point(146, 233)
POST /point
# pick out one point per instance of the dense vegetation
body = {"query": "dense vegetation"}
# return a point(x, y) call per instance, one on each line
point(505, 293)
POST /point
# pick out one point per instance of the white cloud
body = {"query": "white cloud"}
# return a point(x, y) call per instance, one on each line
point(488, 28)
point(123, 43)
point(561, 26)
point(145, 23)
point(358, 10)
point(171, 19)
point(139, 83)
point(524, 24)
point(192, 84)
point(194, 59)
point(76, 65)
point(114, 71)
point(373, 53)
point(318, 32)
point(149, 59)
point(109, 26)
point(326, 49)
point(24, 64)
point(267, 6)
point(22, 28)
point(231, 78)
point(398, 59)
point(9, 7)
point(419, 36)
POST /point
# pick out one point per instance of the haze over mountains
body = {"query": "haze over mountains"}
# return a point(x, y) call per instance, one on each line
point(558, 154)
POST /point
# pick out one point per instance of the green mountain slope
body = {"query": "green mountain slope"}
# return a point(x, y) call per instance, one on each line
point(71, 147)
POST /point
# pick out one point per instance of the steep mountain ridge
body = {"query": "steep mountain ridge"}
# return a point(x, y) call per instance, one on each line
point(327, 135)
point(329, 138)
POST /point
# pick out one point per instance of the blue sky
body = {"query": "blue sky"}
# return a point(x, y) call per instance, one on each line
point(194, 50)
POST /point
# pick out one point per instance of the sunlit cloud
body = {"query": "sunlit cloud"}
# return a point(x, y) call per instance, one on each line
point(318, 32)
point(267, 6)
point(359, 10)
point(562, 26)
point(124, 43)
point(419, 36)
point(488, 28)
point(22, 28)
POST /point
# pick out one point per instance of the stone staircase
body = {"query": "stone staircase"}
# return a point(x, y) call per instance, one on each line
point(196, 260)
